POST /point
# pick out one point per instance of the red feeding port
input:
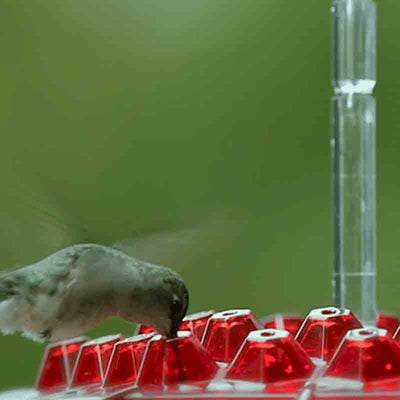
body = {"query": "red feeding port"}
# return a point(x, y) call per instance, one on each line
point(169, 362)
point(144, 329)
point(287, 322)
point(125, 360)
point(368, 355)
point(271, 356)
point(323, 329)
point(93, 360)
point(226, 331)
point(151, 371)
point(57, 365)
point(196, 323)
point(390, 322)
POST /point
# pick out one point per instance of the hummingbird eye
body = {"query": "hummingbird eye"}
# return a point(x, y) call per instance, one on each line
point(176, 306)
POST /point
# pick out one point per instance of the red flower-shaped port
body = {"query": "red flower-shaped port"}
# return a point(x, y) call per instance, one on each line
point(93, 360)
point(125, 361)
point(368, 355)
point(271, 356)
point(226, 331)
point(170, 362)
point(57, 365)
point(323, 329)
point(196, 323)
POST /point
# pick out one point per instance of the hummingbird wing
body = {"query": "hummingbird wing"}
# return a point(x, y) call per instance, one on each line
point(180, 248)
point(33, 221)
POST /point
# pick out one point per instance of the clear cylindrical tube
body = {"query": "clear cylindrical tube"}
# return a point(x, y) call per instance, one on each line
point(354, 46)
point(354, 118)
point(354, 125)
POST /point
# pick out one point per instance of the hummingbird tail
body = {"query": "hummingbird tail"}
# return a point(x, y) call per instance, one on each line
point(8, 320)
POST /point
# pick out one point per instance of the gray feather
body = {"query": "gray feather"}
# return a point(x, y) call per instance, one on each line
point(5, 291)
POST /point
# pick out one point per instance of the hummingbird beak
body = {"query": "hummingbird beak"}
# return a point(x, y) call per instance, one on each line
point(174, 329)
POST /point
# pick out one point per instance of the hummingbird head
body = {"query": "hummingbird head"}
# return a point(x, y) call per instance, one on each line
point(178, 306)
point(173, 299)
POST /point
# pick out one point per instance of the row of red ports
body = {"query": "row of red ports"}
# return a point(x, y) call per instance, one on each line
point(227, 347)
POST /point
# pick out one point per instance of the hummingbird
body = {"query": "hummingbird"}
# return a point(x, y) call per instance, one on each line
point(74, 289)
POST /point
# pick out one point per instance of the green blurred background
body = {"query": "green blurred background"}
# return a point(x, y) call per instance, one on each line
point(135, 118)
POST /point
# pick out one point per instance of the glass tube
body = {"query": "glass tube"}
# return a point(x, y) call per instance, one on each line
point(353, 149)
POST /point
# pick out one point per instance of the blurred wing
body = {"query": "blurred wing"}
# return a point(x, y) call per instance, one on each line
point(183, 248)
point(32, 223)
point(33, 226)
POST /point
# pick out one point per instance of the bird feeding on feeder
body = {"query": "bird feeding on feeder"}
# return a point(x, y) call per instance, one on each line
point(74, 289)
